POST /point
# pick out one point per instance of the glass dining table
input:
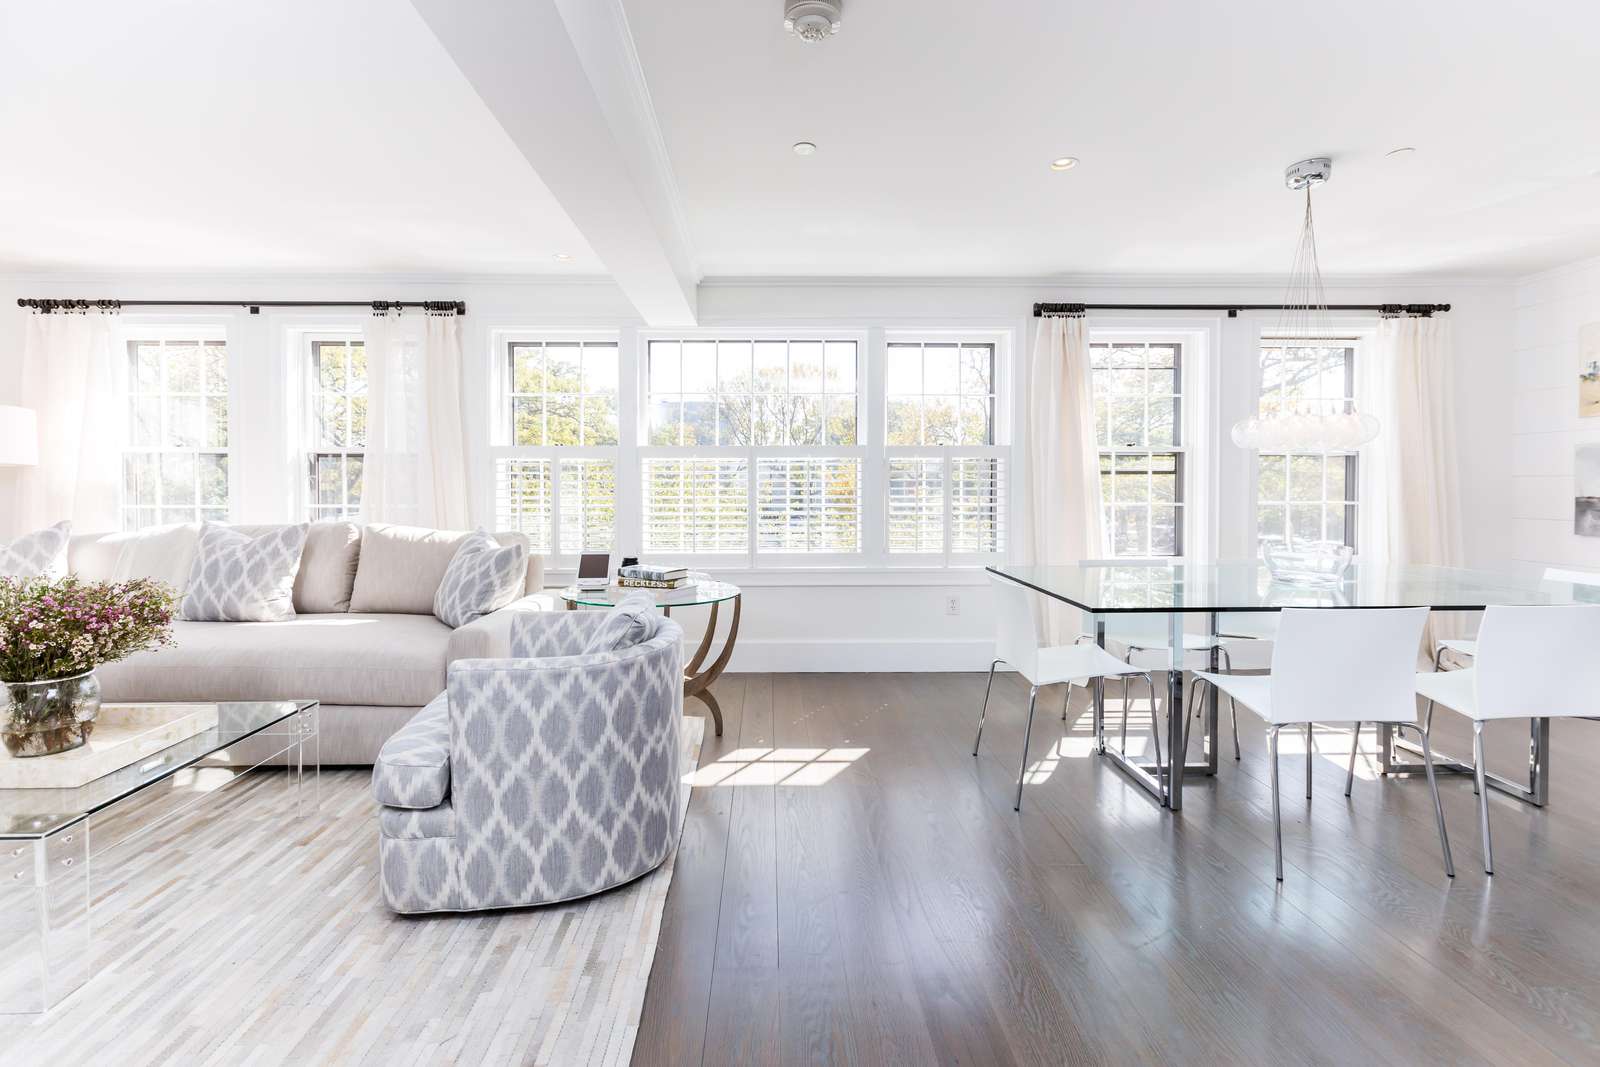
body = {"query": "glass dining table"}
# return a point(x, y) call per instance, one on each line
point(1182, 592)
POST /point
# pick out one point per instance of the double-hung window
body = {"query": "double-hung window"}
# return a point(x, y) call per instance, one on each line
point(556, 477)
point(337, 427)
point(1138, 401)
point(175, 460)
point(1306, 496)
point(752, 449)
point(946, 471)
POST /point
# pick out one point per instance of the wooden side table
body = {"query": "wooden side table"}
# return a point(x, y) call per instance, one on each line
point(696, 681)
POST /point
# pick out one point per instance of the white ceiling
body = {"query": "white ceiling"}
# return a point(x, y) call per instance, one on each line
point(294, 135)
point(306, 136)
point(935, 120)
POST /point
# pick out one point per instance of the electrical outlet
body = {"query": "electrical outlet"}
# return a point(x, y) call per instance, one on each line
point(952, 605)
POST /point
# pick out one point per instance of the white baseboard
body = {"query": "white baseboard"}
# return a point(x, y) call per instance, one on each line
point(751, 657)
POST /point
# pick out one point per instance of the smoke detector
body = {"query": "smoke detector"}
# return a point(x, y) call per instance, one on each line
point(812, 20)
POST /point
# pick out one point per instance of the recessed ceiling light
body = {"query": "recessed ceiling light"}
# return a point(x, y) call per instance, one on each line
point(804, 148)
point(1399, 152)
point(562, 257)
point(1064, 163)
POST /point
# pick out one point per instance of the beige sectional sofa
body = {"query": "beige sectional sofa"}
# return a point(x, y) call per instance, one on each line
point(364, 640)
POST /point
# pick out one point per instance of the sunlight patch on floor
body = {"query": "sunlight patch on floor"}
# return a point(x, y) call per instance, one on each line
point(776, 766)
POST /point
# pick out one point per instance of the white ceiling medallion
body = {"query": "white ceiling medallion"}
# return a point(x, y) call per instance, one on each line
point(812, 20)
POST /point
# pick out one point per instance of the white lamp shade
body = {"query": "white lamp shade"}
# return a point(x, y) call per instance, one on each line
point(19, 437)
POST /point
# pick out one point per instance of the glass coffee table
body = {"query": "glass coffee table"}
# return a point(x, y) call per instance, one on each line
point(52, 839)
point(696, 682)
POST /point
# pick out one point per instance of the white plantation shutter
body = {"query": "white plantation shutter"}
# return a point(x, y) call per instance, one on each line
point(977, 504)
point(915, 512)
point(694, 504)
point(524, 500)
point(587, 504)
point(808, 504)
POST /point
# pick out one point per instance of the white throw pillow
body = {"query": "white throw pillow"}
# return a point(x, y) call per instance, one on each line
point(41, 554)
point(482, 577)
point(239, 578)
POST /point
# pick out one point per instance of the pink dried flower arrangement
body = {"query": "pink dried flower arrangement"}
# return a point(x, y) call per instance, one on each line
point(57, 629)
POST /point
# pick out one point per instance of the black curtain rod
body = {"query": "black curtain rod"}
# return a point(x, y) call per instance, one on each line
point(1233, 310)
point(45, 307)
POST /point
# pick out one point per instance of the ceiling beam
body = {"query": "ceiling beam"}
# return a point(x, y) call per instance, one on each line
point(562, 79)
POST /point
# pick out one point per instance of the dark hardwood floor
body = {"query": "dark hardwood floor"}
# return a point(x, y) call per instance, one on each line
point(893, 909)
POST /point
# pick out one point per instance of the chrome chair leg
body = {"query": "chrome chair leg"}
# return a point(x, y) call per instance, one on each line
point(1427, 728)
point(1027, 735)
point(1123, 742)
point(1277, 817)
point(1483, 795)
point(1355, 746)
point(985, 710)
point(1066, 700)
point(1308, 761)
point(1233, 717)
point(1438, 808)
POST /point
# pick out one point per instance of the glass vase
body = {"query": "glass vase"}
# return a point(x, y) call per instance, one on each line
point(1317, 563)
point(45, 717)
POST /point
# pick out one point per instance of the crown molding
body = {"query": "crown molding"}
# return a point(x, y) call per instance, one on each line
point(1565, 270)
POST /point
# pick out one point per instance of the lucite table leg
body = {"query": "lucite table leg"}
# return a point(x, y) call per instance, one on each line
point(1177, 716)
point(316, 757)
point(44, 916)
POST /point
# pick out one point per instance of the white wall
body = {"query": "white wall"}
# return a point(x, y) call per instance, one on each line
point(1550, 309)
point(850, 622)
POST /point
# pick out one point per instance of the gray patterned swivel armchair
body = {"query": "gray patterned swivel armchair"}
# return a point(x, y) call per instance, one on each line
point(542, 778)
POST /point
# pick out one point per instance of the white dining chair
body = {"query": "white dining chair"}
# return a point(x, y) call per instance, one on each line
point(1511, 678)
point(1344, 665)
point(1467, 647)
point(1017, 645)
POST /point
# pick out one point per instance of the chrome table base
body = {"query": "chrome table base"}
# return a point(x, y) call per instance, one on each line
point(1535, 791)
point(1164, 781)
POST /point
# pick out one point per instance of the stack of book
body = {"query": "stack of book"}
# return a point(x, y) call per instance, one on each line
point(649, 576)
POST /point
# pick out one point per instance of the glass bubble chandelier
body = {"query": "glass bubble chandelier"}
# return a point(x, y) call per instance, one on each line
point(1304, 314)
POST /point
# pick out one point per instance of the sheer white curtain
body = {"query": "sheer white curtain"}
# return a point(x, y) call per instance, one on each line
point(415, 469)
point(72, 380)
point(1062, 505)
point(1411, 510)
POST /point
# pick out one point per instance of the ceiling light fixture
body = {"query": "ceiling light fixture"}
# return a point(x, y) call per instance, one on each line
point(1333, 426)
point(804, 148)
point(562, 257)
point(1064, 163)
point(812, 20)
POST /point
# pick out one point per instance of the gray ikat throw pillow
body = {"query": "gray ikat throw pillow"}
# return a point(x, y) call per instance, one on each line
point(482, 577)
point(239, 578)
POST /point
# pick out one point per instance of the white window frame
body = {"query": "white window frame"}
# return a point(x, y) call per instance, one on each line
point(1199, 379)
point(1357, 340)
point(751, 559)
point(1002, 422)
point(501, 438)
point(303, 344)
point(199, 329)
